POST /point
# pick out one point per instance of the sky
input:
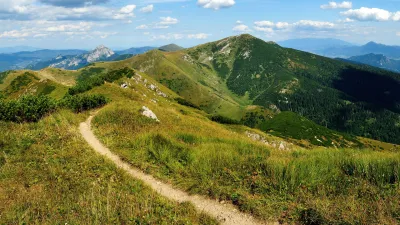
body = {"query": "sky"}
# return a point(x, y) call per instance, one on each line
point(119, 24)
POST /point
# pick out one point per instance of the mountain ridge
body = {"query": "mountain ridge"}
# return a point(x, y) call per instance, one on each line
point(233, 73)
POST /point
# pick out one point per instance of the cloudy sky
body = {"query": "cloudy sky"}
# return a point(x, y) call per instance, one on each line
point(85, 24)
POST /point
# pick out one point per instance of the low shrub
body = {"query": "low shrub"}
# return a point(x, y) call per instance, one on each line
point(26, 109)
point(32, 108)
point(223, 119)
point(80, 103)
point(86, 84)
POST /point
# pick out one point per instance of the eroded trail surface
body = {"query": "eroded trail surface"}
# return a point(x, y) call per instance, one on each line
point(225, 213)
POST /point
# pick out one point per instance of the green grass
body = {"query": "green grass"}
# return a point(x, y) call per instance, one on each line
point(338, 186)
point(48, 175)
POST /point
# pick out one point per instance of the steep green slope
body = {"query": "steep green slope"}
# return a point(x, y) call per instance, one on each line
point(226, 76)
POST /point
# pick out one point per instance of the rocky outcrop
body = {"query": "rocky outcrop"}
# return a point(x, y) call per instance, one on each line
point(149, 114)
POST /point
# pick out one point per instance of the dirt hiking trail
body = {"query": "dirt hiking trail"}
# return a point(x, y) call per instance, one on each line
point(224, 213)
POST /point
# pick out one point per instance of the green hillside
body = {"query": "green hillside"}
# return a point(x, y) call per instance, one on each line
point(227, 76)
point(272, 155)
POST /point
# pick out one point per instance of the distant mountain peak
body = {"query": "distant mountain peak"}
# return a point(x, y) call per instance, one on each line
point(372, 43)
point(100, 52)
point(170, 48)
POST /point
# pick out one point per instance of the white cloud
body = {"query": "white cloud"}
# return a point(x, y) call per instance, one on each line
point(14, 34)
point(147, 9)
point(82, 26)
point(22, 10)
point(270, 27)
point(73, 3)
point(169, 36)
point(241, 28)
point(168, 21)
point(142, 27)
point(40, 29)
point(178, 36)
point(310, 24)
point(264, 29)
point(282, 25)
point(125, 12)
point(264, 23)
point(396, 16)
point(216, 4)
point(370, 14)
point(398, 34)
point(198, 36)
point(347, 20)
point(128, 9)
point(337, 5)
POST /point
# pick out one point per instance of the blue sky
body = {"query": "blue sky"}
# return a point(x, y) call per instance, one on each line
point(85, 24)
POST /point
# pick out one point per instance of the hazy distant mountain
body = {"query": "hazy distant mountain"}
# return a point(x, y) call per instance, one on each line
point(392, 52)
point(135, 51)
point(170, 48)
point(8, 50)
point(377, 60)
point(101, 53)
point(313, 44)
point(21, 60)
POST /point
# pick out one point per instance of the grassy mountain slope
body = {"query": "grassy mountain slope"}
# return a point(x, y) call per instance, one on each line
point(227, 76)
point(244, 166)
point(49, 82)
point(231, 163)
point(48, 175)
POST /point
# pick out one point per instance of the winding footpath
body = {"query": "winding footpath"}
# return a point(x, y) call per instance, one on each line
point(224, 213)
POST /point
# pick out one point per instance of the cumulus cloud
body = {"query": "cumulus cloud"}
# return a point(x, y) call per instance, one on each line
point(370, 14)
point(28, 10)
point(398, 34)
point(169, 36)
point(198, 36)
point(168, 21)
point(396, 16)
point(241, 28)
point(147, 9)
point(271, 28)
point(310, 24)
point(264, 23)
point(72, 3)
point(40, 29)
point(178, 36)
point(216, 4)
point(337, 5)
point(82, 26)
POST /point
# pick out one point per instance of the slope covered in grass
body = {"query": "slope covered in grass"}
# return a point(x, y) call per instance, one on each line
point(226, 76)
point(49, 175)
point(335, 186)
